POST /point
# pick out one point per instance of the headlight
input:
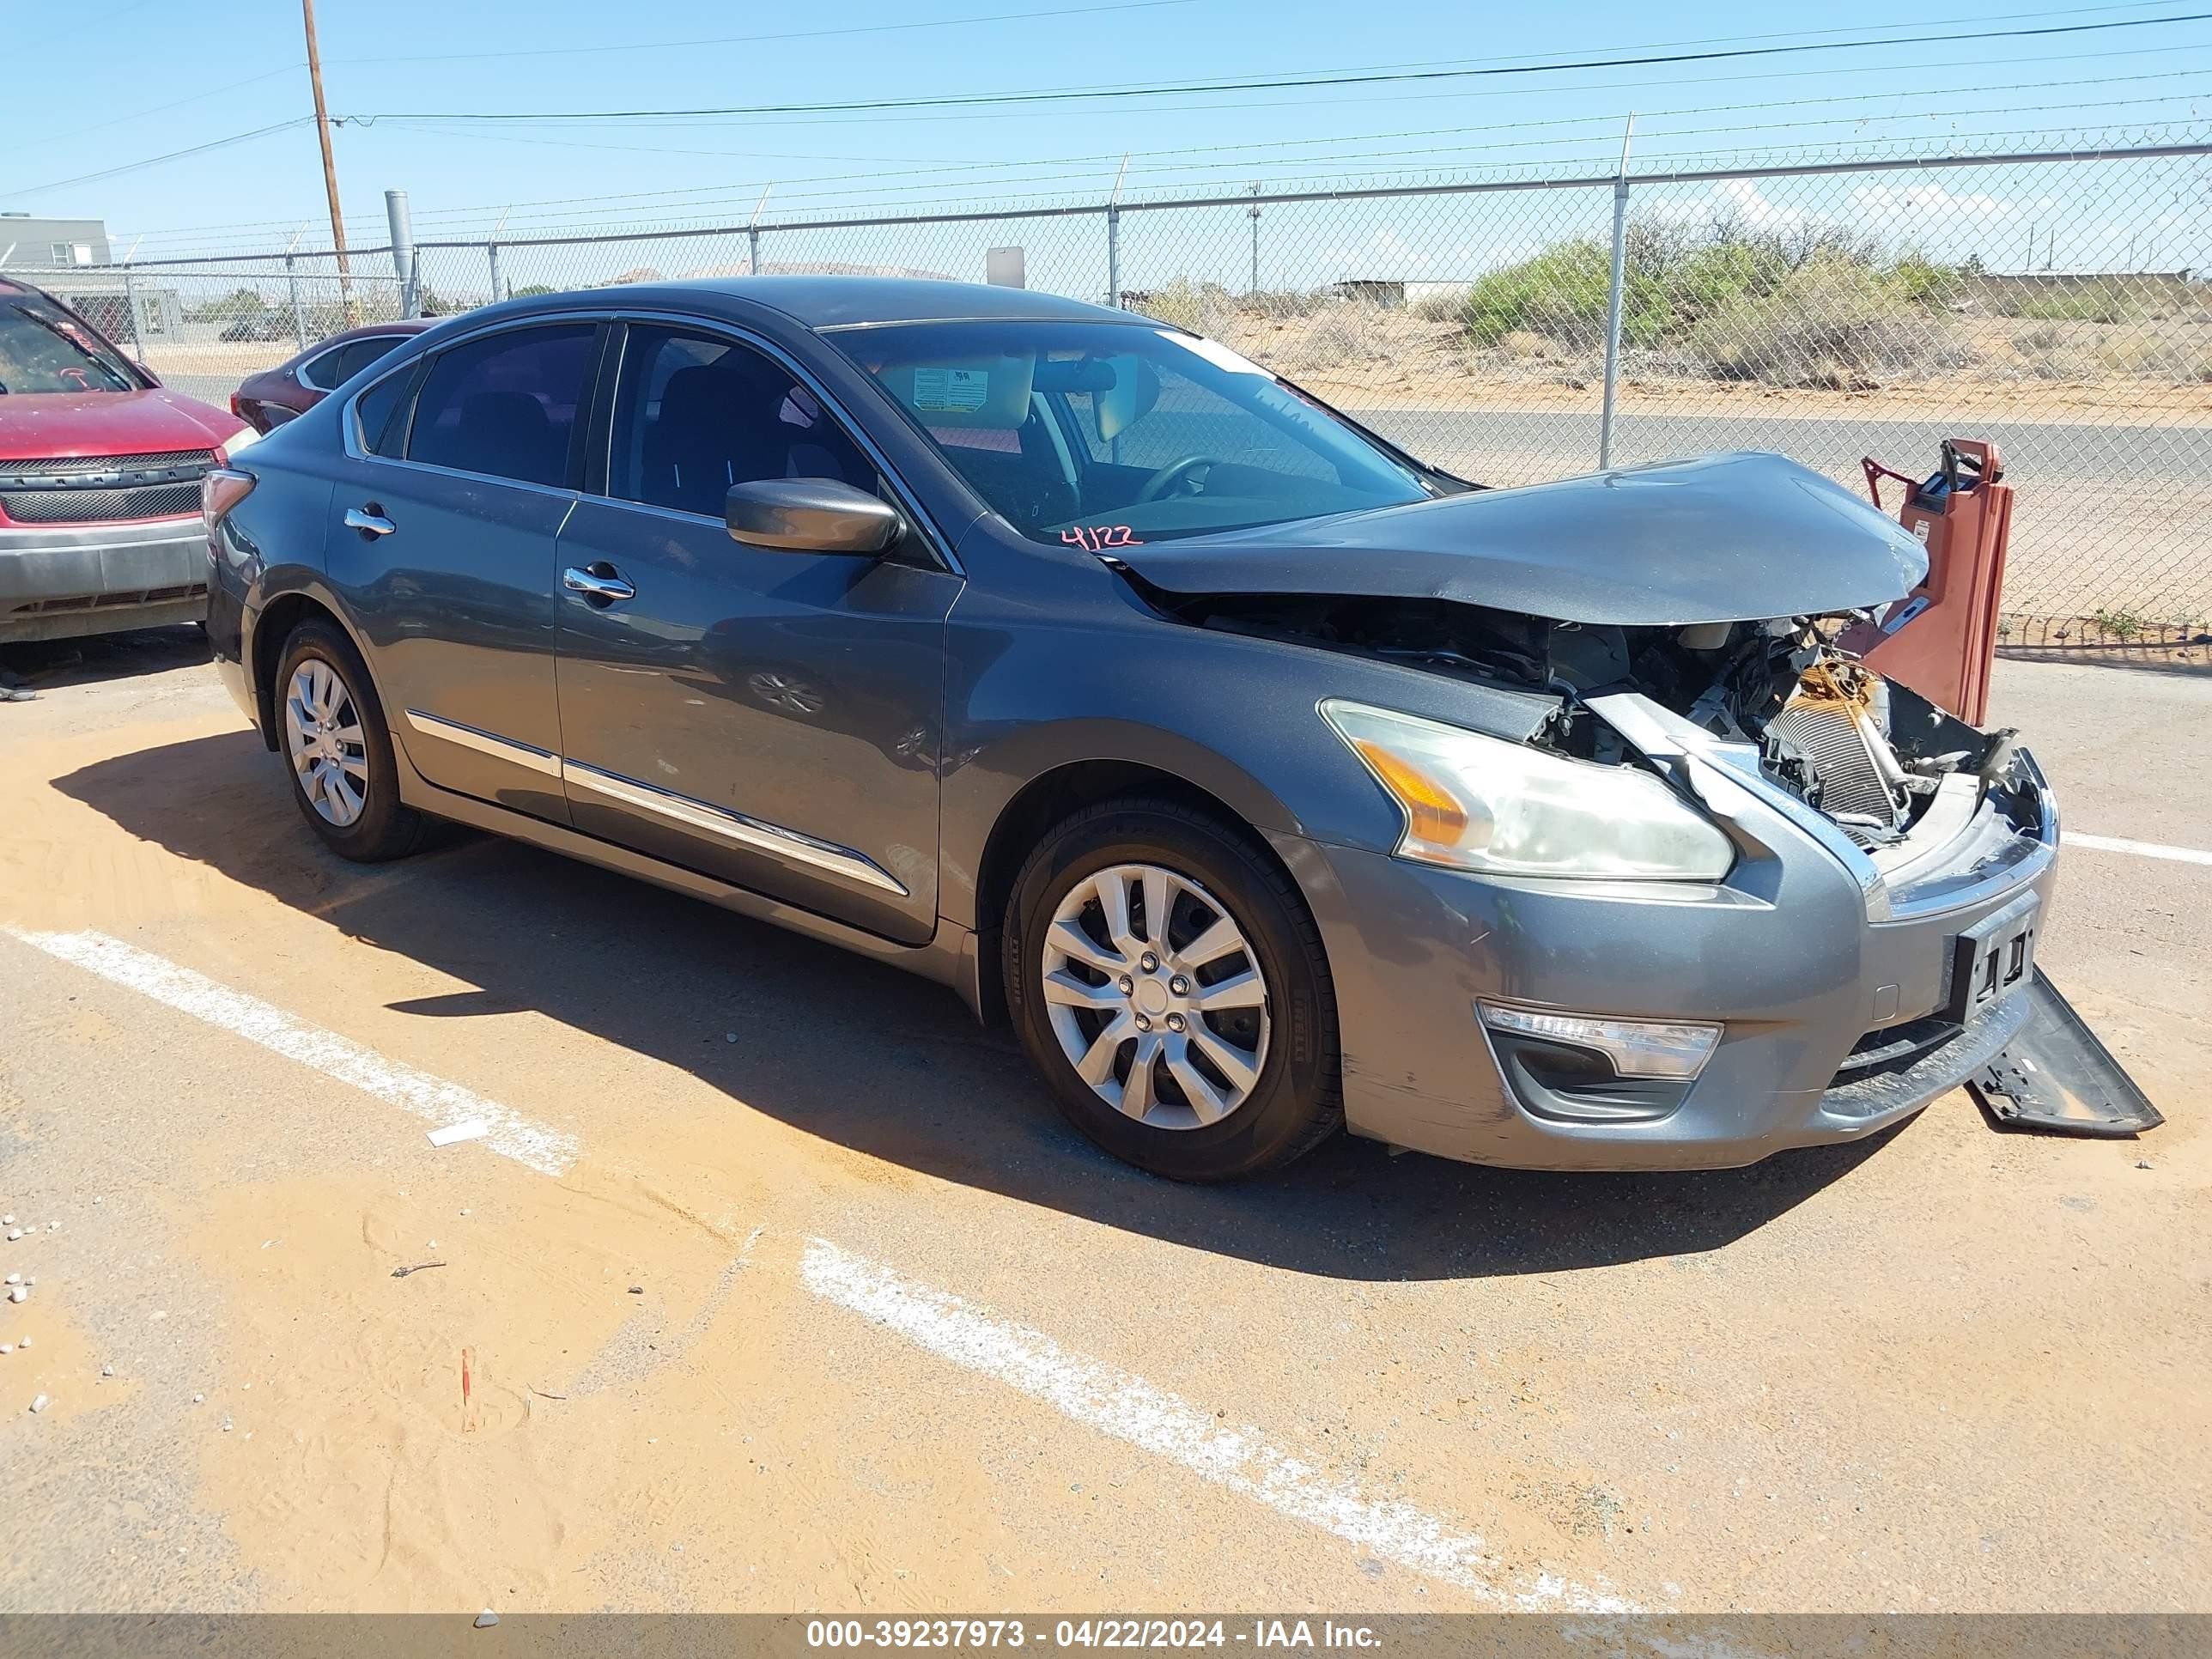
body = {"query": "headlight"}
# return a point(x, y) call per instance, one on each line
point(1480, 802)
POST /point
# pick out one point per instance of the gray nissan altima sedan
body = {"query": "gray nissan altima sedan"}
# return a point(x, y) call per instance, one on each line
point(1266, 778)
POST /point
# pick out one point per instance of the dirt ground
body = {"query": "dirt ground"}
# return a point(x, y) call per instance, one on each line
point(811, 1317)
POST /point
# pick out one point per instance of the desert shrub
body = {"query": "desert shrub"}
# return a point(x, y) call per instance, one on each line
point(2084, 301)
point(1833, 323)
point(2149, 355)
point(1686, 290)
point(1286, 301)
point(1201, 307)
point(1347, 332)
point(1441, 307)
point(1560, 293)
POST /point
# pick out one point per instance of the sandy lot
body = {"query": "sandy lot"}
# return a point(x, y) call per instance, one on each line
point(804, 1311)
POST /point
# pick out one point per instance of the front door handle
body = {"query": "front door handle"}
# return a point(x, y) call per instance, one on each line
point(369, 521)
point(599, 583)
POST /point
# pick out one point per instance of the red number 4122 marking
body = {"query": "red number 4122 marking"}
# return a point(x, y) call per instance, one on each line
point(1095, 538)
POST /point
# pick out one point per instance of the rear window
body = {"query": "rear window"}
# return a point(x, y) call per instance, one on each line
point(44, 349)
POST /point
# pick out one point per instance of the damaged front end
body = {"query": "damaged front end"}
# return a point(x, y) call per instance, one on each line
point(1897, 777)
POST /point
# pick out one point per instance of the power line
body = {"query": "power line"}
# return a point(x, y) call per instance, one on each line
point(157, 109)
point(1281, 83)
point(753, 39)
point(1141, 157)
point(156, 161)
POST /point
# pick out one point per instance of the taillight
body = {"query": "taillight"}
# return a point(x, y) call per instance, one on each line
point(234, 409)
point(221, 488)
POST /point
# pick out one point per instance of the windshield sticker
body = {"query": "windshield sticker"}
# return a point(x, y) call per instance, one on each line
point(963, 391)
point(1095, 539)
point(1215, 353)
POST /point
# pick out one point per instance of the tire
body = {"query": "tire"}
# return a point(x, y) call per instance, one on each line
point(1293, 1099)
point(382, 827)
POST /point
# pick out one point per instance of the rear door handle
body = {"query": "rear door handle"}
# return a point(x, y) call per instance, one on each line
point(369, 521)
point(599, 583)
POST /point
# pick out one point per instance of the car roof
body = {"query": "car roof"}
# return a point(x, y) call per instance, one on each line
point(835, 302)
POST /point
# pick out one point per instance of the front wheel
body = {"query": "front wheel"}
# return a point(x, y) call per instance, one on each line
point(1166, 979)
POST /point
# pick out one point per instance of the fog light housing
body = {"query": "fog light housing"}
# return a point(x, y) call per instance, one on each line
point(1670, 1048)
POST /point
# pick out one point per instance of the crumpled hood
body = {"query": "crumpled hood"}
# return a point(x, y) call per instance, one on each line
point(44, 426)
point(1725, 538)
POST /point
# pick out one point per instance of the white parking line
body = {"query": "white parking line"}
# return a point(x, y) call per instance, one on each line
point(1114, 1402)
point(2142, 849)
point(548, 1151)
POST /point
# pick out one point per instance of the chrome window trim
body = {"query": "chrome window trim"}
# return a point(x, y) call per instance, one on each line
point(541, 760)
point(756, 833)
point(350, 424)
point(738, 334)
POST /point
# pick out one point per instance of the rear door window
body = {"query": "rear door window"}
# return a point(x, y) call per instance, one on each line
point(505, 405)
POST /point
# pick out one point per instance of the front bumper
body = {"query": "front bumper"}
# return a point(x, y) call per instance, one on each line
point(65, 580)
point(1803, 954)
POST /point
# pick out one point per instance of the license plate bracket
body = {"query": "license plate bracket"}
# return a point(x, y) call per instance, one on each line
point(1994, 959)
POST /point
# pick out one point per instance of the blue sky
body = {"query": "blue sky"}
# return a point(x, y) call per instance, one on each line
point(197, 78)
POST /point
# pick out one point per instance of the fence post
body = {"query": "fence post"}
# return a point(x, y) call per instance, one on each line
point(403, 250)
point(1612, 299)
point(753, 232)
point(138, 322)
point(1114, 239)
point(491, 253)
point(299, 314)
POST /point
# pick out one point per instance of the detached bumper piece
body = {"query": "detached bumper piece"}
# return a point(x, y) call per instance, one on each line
point(2055, 1076)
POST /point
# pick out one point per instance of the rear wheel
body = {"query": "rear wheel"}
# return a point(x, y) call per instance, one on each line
point(345, 778)
point(1165, 978)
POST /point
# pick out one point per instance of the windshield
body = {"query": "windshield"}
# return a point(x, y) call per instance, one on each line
point(1106, 434)
point(44, 349)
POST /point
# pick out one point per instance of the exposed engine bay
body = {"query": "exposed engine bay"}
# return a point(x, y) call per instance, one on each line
point(1870, 754)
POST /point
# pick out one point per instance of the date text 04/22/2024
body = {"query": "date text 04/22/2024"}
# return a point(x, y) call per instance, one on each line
point(1140, 1633)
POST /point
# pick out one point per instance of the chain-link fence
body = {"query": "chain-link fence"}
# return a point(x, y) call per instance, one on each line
point(1517, 328)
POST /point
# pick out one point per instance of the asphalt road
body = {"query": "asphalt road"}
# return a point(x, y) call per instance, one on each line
point(899, 1341)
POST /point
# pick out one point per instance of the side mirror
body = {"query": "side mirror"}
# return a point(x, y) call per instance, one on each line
point(811, 515)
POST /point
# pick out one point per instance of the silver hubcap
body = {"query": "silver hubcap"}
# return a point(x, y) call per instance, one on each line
point(324, 736)
point(1156, 997)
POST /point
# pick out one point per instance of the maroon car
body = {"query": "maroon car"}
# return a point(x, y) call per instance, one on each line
point(297, 385)
point(99, 480)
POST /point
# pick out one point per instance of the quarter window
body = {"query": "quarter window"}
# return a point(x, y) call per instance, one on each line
point(694, 414)
point(505, 404)
point(335, 368)
point(377, 409)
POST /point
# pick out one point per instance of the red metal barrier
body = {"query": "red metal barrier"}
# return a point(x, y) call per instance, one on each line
point(1941, 639)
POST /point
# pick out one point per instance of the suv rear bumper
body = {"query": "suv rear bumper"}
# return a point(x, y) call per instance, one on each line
point(64, 581)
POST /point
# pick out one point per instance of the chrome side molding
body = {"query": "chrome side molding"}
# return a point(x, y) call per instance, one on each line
point(774, 839)
point(540, 761)
point(756, 833)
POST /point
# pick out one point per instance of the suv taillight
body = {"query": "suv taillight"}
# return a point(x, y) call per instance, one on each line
point(221, 488)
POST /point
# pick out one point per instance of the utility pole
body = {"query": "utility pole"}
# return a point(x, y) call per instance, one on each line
point(329, 163)
point(1254, 288)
